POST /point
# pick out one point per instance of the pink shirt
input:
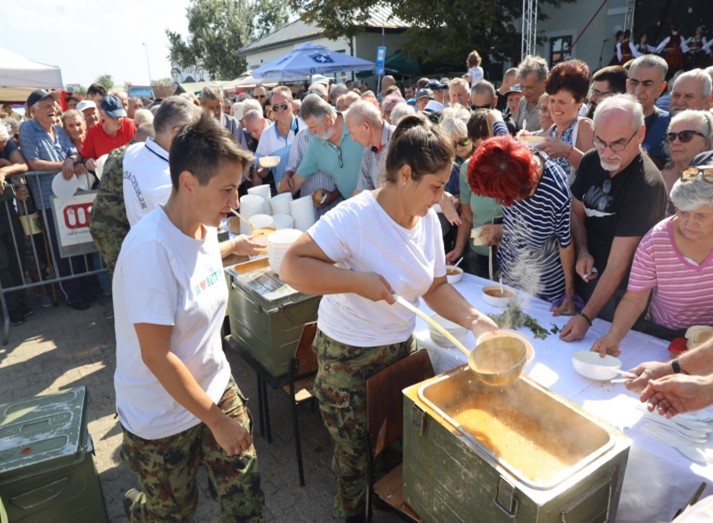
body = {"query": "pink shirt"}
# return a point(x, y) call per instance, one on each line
point(682, 292)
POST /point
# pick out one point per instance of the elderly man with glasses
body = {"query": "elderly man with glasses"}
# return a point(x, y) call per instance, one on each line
point(618, 195)
point(332, 150)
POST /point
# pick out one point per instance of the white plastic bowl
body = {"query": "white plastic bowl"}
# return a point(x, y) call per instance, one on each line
point(267, 162)
point(453, 274)
point(489, 295)
point(460, 333)
point(590, 365)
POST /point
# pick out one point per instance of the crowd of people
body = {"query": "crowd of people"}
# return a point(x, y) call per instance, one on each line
point(591, 191)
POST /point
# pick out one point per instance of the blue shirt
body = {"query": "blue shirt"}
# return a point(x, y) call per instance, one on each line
point(340, 162)
point(37, 144)
point(9, 148)
point(656, 127)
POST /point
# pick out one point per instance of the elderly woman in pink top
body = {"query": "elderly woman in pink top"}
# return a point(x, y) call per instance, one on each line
point(673, 265)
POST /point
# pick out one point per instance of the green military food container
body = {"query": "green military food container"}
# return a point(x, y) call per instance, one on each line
point(47, 473)
point(475, 452)
point(266, 315)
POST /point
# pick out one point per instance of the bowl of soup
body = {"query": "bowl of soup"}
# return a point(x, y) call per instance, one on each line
point(453, 274)
point(497, 297)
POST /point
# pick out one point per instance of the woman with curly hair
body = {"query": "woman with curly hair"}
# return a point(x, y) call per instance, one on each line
point(535, 251)
point(571, 135)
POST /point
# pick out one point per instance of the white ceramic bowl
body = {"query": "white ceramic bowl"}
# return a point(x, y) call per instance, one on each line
point(453, 274)
point(456, 330)
point(590, 365)
point(491, 295)
point(268, 162)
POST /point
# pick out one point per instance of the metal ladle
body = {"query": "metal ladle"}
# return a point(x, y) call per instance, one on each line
point(498, 378)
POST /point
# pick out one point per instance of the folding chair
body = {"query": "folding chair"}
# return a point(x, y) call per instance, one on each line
point(384, 405)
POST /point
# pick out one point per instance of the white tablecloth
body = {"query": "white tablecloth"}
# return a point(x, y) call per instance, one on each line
point(659, 480)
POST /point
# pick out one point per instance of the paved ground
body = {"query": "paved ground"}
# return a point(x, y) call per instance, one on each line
point(60, 348)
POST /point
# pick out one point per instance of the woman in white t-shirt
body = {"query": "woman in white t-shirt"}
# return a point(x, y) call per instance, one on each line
point(358, 255)
point(177, 402)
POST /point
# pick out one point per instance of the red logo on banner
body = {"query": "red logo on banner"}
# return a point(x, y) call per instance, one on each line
point(77, 216)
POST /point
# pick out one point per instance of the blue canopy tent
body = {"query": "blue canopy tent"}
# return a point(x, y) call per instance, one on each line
point(308, 59)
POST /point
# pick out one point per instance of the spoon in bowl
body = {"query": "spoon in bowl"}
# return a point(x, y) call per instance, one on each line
point(236, 213)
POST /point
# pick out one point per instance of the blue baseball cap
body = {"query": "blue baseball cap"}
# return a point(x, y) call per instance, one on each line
point(112, 106)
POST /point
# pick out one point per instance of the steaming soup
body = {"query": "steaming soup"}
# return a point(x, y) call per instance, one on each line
point(526, 444)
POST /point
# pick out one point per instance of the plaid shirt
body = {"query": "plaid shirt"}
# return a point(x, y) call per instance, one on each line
point(37, 144)
point(371, 175)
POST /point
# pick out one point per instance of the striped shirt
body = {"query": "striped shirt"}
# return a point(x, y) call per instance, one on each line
point(681, 290)
point(372, 171)
point(534, 229)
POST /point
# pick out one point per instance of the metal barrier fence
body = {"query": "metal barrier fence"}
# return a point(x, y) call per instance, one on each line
point(44, 241)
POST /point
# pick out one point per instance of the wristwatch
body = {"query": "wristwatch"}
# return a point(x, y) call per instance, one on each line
point(676, 366)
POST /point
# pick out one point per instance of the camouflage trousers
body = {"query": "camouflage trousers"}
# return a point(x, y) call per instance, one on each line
point(167, 469)
point(340, 387)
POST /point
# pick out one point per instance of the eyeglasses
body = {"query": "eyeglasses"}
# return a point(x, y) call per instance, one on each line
point(596, 92)
point(616, 147)
point(690, 174)
point(476, 107)
point(683, 136)
point(284, 106)
point(465, 142)
point(339, 156)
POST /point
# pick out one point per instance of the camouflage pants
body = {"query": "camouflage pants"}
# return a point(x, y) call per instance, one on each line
point(340, 387)
point(167, 469)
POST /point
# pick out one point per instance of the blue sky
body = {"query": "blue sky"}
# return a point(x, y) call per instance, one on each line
point(88, 38)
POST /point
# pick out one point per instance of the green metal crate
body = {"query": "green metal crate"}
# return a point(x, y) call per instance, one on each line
point(267, 316)
point(47, 473)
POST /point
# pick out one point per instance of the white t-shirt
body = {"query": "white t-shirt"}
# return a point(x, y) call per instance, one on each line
point(147, 179)
point(360, 236)
point(165, 277)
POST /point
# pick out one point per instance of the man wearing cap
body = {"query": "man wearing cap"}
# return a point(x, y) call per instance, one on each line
point(47, 147)
point(440, 92)
point(423, 96)
point(113, 131)
point(89, 111)
point(368, 128)
point(513, 96)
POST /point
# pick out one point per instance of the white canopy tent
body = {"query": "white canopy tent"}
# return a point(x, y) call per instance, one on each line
point(19, 76)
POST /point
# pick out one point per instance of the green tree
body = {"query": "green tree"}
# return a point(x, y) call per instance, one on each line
point(218, 28)
point(440, 30)
point(106, 80)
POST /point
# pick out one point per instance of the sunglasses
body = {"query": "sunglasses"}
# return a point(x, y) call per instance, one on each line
point(683, 136)
point(261, 96)
point(476, 107)
point(283, 106)
point(692, 173)
point(465, 142)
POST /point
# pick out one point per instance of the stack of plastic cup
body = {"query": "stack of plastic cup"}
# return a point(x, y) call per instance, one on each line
point(250, 205)
point(283, 221)
point(280, 203)
point(264, 192)
point(302, 210)
point(277, 244)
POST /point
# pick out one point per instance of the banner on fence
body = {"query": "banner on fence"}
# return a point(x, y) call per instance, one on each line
point(71, 218)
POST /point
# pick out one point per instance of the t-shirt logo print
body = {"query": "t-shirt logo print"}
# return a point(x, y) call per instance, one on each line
point(321, 58)
point(598, 198)
point(206, 282)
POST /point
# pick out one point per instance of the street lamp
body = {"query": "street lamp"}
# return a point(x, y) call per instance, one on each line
point(148, 65)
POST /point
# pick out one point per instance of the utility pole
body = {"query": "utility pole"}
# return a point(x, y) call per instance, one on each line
point(148, 65)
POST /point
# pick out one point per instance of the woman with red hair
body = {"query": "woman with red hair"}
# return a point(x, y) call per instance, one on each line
point(535, 251)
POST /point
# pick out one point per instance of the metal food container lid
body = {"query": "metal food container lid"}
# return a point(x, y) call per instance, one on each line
point(43, 429)
point(257, 280)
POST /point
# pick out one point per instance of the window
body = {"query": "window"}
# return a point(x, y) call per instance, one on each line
point(560, 49)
